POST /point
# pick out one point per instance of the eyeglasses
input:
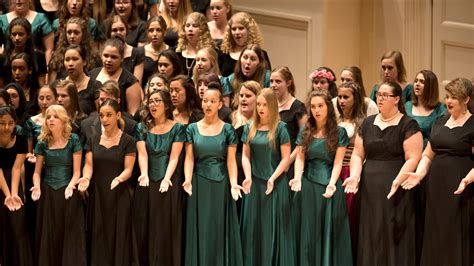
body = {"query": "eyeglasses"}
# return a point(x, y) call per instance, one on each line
point(155, 101)
point(384, 96)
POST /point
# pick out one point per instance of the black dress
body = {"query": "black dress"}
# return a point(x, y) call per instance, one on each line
point(187, 64)
point(14, 240)
point(87, 97)
point(138, 34)
point(136, 58)
point(60, 224)
point(150, 67)
point(447, 222)
point(387, 227)
point(292, 117)
point(112, 234)
point(125, 81)
point(134, 36)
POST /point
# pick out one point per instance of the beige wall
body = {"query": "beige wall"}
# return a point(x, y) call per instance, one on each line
point(339, 33)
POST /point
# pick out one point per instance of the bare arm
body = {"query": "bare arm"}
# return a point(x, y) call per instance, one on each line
point(337, 165)
point(84, 181)
point(295, 183)
point(425, 162)
point(142, 158)
point(188, 168)
point(16, 173)
point(138, 72)
point(176, 149)
point(3, 185)
point(36, 189)
point(357, 158)
point(351, 184)
point(134, 97)
point(226, 100)
point(128, 167)
point(76, 174)
point(412, 147)
point(232, 164)
point(87, 170)
point(285, 161)
point(293, 155)
point(246, 165)
point(48, 42)
point(465, 182)
point(336, 172)
point(52, 74)
point(247, 168)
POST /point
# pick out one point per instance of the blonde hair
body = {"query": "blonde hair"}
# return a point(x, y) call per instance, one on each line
point(63, 116)
point(272, 104)
point(236, 116)
point(205, 39)
point(213, 57)
point(184, 9)
point(254, 34)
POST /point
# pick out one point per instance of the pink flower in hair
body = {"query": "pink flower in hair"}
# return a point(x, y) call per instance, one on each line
point(323, 73)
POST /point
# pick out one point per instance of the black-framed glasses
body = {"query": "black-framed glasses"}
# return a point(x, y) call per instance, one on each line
point(155, 101)
point(384, 96)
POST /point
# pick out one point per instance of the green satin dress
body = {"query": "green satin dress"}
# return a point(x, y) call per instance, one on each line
point(322, 226)
point(267, 234)
point(426, 122)
point(60, 222)
point(158, 217)
point(212, 227)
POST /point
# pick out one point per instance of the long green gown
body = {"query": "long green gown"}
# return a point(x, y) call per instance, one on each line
point(322, 226)
point(158, 216)
point(212, 227)
point(267, 234)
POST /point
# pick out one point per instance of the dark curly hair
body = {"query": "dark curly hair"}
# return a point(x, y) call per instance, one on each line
point(57, 60)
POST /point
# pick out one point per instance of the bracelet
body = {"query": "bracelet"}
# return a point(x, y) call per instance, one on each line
point(88, 178)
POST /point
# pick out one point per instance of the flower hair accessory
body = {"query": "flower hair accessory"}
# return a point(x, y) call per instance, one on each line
point(323, 73)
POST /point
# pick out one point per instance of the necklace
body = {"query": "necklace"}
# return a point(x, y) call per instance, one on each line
point(188, 67)
point(280, 105)
point(27, 93)
point(389, 119)
point(457, 121)
point(112, 138)
point(80, 84)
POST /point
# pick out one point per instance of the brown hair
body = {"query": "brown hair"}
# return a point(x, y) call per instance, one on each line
point(430, 96)
point(285, 72)
point(459, 87)
point(359, 108)
point(331, 129)
point(398, 58)
point(258, 76)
